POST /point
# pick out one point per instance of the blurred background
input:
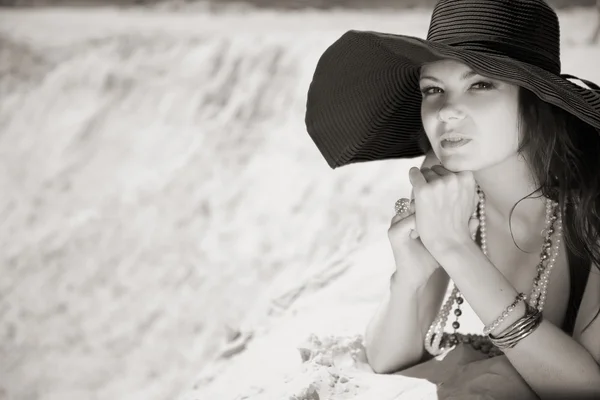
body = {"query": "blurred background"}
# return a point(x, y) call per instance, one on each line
point(271, 4)
point(159, 196)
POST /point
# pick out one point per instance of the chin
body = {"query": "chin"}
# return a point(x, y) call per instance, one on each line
point(457, 164)
point(453, 162)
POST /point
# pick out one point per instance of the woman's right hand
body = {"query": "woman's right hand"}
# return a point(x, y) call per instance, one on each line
point(414, 263)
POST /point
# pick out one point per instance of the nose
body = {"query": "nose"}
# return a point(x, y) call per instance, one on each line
point(450, 112)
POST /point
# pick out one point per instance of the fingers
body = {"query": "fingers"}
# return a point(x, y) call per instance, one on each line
point(419, 177)
point(416, 178)
point(401, 216)
point(405, 222)
point(402, 228)
point(429, 174)
point(414, 234)
point(441, 170)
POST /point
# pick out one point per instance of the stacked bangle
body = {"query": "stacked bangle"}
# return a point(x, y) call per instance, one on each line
point(519, 330)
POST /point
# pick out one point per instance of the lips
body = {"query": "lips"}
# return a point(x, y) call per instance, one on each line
point(454, 144)
point(453, 136)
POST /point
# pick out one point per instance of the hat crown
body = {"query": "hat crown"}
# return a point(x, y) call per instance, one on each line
point(525, 30)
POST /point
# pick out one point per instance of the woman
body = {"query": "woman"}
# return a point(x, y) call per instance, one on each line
point(519, 171)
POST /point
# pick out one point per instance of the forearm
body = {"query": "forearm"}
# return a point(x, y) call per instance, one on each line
point(550, 361)
point(395, 335)
point(555, 365)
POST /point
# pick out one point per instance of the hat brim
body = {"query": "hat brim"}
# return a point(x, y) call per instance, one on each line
point(364, 102)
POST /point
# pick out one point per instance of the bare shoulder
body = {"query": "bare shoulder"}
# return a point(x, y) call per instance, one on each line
point(587, 325)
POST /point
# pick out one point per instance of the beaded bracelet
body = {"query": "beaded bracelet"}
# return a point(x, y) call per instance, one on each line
point(489, 328)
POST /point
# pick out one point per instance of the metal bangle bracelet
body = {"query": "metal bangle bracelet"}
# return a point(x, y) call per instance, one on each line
point(516, 328)
point(530, 314)
point(512, 343)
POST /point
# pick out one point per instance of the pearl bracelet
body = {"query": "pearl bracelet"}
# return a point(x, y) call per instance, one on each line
point(489, 328)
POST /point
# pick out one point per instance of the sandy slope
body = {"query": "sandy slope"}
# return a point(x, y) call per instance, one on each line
point(326, 327)
point(158, 186)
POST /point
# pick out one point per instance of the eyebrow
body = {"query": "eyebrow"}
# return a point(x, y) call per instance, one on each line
point(468, 74)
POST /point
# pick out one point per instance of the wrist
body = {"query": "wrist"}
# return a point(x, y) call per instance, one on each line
point(404, 284)
point(517, 313)
point(449, 247)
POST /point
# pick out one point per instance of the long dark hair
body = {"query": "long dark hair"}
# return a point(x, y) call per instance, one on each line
point(563, 154)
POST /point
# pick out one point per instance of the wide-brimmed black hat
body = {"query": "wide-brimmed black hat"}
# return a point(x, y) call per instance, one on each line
point(364, 101)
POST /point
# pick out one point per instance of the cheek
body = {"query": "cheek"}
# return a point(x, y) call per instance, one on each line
point(498, 123)
point(429, 118)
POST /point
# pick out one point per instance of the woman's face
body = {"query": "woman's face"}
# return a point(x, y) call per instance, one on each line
point(458, 103)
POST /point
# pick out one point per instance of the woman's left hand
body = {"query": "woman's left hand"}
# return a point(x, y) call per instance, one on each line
point(444, 203)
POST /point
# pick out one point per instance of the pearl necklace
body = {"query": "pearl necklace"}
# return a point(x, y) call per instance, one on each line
point(537, 297)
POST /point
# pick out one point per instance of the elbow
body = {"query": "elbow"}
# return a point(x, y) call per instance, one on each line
point(381, 369)
point(373, 355)
point(377, 367)
point(379, 363)
point(383, 361)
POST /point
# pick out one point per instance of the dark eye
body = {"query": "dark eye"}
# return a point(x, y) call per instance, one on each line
point(431, 90)
point(483, 85)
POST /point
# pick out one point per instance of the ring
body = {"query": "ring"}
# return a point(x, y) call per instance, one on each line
point(402, 205)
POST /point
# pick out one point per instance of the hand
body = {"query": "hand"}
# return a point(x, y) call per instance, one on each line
point(444, 204)
point(414, 263)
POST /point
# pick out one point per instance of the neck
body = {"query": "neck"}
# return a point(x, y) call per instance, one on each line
point(504, 185)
